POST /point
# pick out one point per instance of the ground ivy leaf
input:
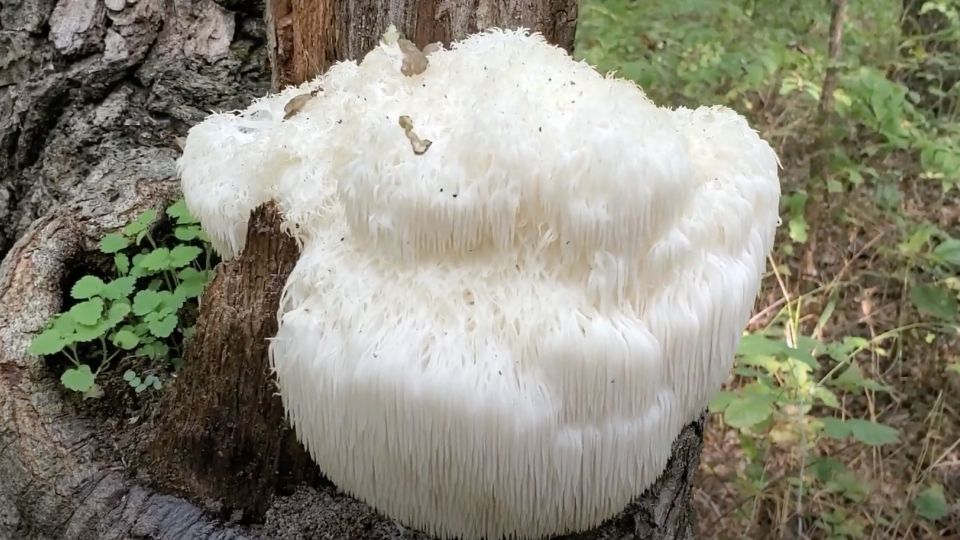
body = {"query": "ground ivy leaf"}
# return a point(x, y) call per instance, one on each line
point(140, 224)
point(145, 302)
point(189, 289)
point(181, 256)
point(163, 327)
point(87, 313)
point(86, 287)
point(117, 312)
point(178, 211)
point(113, 243)
point(122, 262)
point(187, 233)
point(125, 339)
point(49, 342)
point(86, 333)
point(158, 259)
point(78, 379)
point(120, 288)
point(170, 302)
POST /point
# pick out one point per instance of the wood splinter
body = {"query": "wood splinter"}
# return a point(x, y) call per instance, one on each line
point(414, 60)
point(419, 145)
point(298, 102)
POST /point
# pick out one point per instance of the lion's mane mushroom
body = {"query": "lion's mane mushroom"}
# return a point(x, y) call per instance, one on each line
point(503, 334)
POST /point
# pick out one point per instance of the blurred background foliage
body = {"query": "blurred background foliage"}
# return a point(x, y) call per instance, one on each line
point(842, 418)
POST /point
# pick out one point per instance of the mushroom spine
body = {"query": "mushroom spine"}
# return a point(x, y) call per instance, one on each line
point(500, 335)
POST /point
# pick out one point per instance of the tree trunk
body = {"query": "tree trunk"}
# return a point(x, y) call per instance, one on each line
point(92, 94)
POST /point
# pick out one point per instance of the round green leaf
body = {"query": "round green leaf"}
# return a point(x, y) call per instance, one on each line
point(178, 211)
point(141, 224)
point(49, 342)
point(181, 256)
point(125, 339)
point(158, 259)
point(128, 375)
point(86, 287)
point(117, 312)
point(113, 243)
point(145, 302)
point(187, 232)
point(87, 313)
point(163, 327)
point(78, 379)
point(122, 262)
point(170, 302)
point(119, 288)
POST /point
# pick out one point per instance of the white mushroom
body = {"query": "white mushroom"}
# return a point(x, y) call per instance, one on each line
point(501, 336)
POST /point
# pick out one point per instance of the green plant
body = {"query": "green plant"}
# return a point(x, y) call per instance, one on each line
point(828, 384)
point(141, 311)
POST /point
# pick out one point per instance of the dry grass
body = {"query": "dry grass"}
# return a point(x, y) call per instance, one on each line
point(860, 272)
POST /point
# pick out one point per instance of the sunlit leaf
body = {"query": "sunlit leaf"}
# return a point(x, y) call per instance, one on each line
point(87, 313)
point(49, 342)
point(145, 302)
point(141, 224)
point(86, 287)
point(113, 243)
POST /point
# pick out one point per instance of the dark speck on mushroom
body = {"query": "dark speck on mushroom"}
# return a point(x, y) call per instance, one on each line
point(454, 195)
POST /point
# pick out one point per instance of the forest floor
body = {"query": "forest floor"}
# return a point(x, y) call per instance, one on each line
point(922, 403)
point(842, 416)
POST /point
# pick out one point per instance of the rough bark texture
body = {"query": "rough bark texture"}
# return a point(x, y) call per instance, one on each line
point(310, 35)
point(224, 436)
point(91, 95)
point(83, 81)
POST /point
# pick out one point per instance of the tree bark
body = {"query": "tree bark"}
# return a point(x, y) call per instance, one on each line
point(92, 95)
